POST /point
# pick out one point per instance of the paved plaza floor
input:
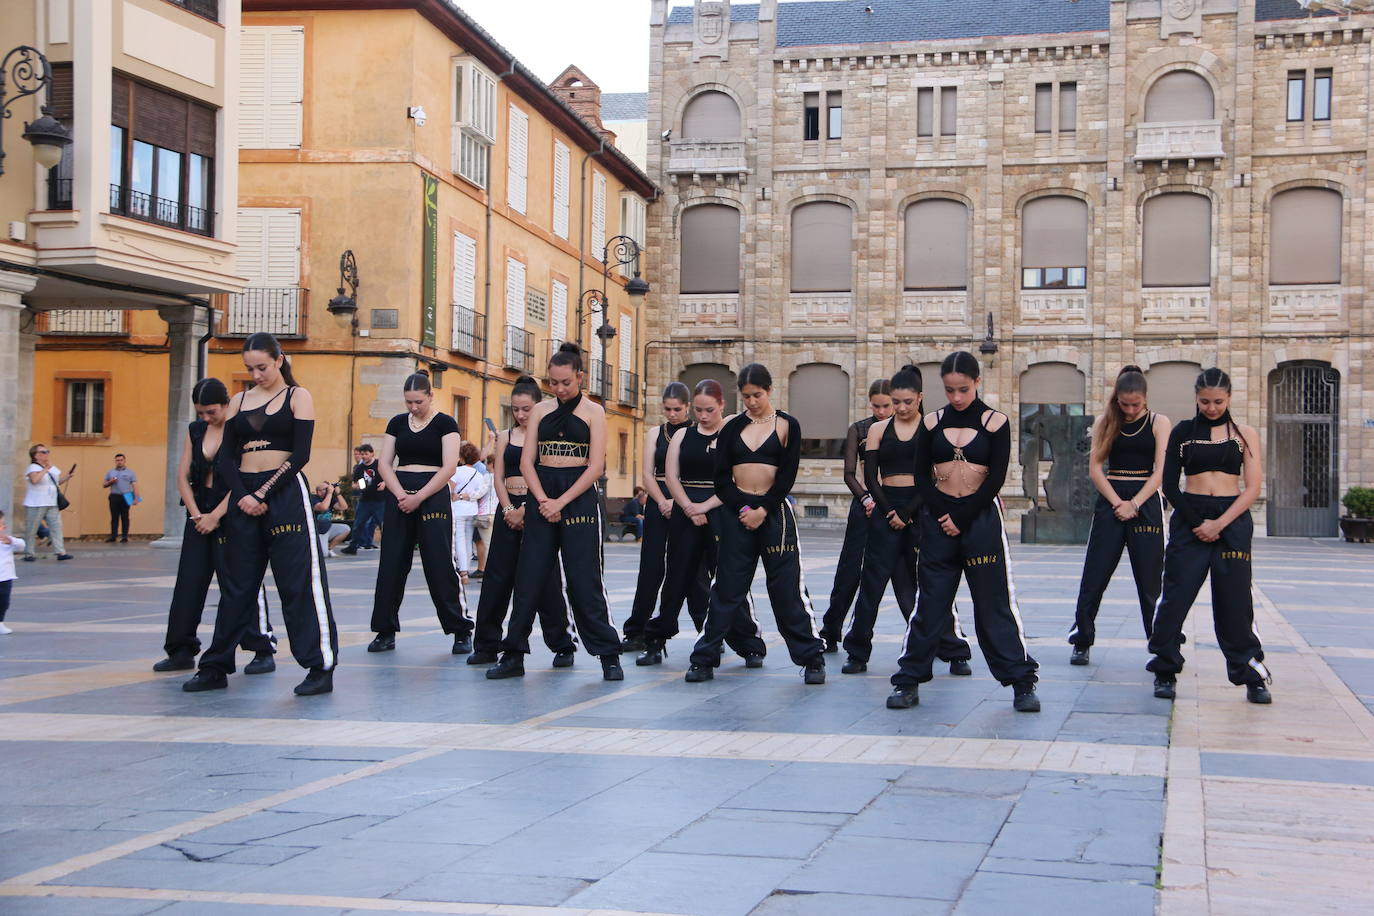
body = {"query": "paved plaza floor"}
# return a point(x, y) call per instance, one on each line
point(420, 787)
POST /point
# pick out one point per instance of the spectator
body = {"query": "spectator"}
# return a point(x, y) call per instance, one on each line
point(40, 501)
point(329, 500)
point(633, 513)
point(8, 545)
point(466, 488)
point(367, 515)
point(122, 483)
point(482, 521)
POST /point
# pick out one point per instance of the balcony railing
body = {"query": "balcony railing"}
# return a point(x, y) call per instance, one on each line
point(274, 309)
point(84, 323)
point(814, 310)
point(59, 193)
point(170, 213)
point(1058, 305)
point(597, 382)
point(519, 349)
point(1176, 303)
point(1308, 301)
point(629, 388)
point(1178, 140)
point(467, 333)
point(552, 347)
point(207, 8)
point(708, 309)
point(935, 306)
point(717, 157)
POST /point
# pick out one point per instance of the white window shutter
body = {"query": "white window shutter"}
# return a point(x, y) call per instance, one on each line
point(253, 88)
point(464, 271)
point(627, 343)
point(562, 169)
point(598, 213)
point(517, 159)
point(282, 248)
point(248, 259)
point(515, 293)
point(558, 311)
point(285, 87)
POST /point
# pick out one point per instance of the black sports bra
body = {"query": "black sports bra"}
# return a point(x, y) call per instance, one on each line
point(977, 451)
point(666, 432)
point(563, 434)
point(896, 455)
point(1133, 452)
point(260, 431)
point(696, 460)
point(1203, 455)
point(510, 457)
point(769, 451)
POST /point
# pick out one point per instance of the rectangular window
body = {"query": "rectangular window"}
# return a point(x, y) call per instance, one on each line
point(1054, 278)
point(925, 112)
point(161, 157)
point(624, 453)
point(1044, 101)
point(633, 216)
point(117, 149)
point(517, 159)
point(558, 310)
point(271, 86)
point(598, 240)
point(85, 414)
point(269, 256)
point(474, 121)
point(562, 170)
point(1068, 107)
point(460, 415)
point(811, 116)
point(1297, 89)
point(949, 111)
point(1321, 95)
point(834, 116)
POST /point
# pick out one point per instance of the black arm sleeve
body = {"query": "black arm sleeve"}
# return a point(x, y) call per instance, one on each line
point(852, 447)
point(227, 463)
point(924, 470)
point(727, 491)
point(875, 487)
point(968, 509)
point(787, 468)
point(302, 432)
point(1173, 469)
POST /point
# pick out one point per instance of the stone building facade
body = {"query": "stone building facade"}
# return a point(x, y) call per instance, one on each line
point(849, 187)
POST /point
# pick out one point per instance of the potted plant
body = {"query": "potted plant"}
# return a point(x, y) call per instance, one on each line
point(1359, 524)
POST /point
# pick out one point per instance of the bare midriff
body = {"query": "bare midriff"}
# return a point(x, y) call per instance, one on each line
point(267, 460)
point(561, 461)
point(516, 486)
point(959, 478)
point(899, 480)
point(755, 479)
point(1213, 483)
point(419, 468)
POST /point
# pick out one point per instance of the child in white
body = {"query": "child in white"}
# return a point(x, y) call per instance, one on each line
point(9, 546)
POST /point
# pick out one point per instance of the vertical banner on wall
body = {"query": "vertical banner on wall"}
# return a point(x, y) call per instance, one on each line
point(431, 260)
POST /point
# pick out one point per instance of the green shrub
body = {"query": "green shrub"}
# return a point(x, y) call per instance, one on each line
point(1359, 502)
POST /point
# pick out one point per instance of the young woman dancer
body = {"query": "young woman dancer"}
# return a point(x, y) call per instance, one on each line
point(1127, 466)
point(654, 545)
point(696, 522)
point(850, 565)
point(507, 533)
point(266, 446)
point(419, 453)
point(1210, 533)
point(757, 453)
point(565, 453)
point(893, 547)
point(962, 452)
point(206, 500)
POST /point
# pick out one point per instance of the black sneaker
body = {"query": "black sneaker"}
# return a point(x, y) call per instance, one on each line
point(1024, 698)
point(563, 659)
point(206, 679)
point(653, 655)
point(853, 666)
point(814, 673)
point(65, 556)
point(512, 664)
point(350, 550)
point(177, 661)
point(111, 539)
point(1258, 693)
point(369, 547)
point(462, 645)
point(753, 660)
point(29, 558)
point(1164, 687)
point(904, 697)
point(610, 668)
point(959, 667)
point(382, 642)
point(1080, 655)
point(633, 644)
point(124, 540)
point(317, 681)
point(482, 658)
point(262, 663)
point(698, 673)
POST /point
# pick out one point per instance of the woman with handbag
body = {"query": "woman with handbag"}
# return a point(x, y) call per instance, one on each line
point(44, 501)
point(466, 488)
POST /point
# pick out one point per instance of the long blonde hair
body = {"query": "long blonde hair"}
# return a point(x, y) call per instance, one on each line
point(1130, 380)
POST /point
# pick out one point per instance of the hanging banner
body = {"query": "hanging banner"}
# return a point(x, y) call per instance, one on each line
point(431, 260)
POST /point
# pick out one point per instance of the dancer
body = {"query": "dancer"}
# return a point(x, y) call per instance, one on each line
point(893, 546)
point(419, 454)
point(654, 542)
point(565, 453)
point(757, 454)
point(507, 533)
point(1126, 465)
point(962, 452)
point(265, 448)
point(206, 499)
point(1209, 534)
point(850, 565)
point(695, 525)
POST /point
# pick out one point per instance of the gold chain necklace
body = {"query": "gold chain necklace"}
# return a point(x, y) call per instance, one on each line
point(771, 418)
point(1143, 424)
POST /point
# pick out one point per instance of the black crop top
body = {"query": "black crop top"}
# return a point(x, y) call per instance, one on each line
point(696, 461)
point(425, 447)
point(510, 457)
point(562, 433)
point(208, 495)
point(991, 449)
point(893, 456)
point(1192, 450)
point(1133, 452)
point(731, 450)
point(666, 431)
point(256, 430)
point(855, 454)
point(260, 431)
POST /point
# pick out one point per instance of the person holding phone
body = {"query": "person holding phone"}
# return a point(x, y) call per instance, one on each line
point(41, 501)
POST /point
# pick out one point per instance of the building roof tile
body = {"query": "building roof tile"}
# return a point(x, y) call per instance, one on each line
point(624, 106)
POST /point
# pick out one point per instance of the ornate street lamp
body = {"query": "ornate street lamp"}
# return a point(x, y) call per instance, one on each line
point(31, 72)
point(345, 307)
point(626, 251)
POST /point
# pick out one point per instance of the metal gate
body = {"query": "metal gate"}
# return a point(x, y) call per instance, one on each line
point(1303, 406)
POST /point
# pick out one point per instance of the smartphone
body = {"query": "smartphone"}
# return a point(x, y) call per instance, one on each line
point(490, 425)
point(73, 470)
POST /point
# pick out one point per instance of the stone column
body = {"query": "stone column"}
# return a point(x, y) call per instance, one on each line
point(185, 326)
point(16, 364)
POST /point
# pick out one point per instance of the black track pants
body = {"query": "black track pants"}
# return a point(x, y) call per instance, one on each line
point(498, 584)
point(980, 555)
point(200, 558)
point(775, 543)
point(119, 514)
point(1187, 562)
point(891, 555)
point(848, 571)
point(1142, 538)
point(692, 552)
point(569, 551)
point(431, 527)
point(652, 561)
point(284, 537)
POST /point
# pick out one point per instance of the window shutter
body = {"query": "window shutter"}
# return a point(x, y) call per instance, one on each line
point(282, 248)
point(1180, 95)
point(949, 111)
point(711, 115)
point(1053, 383)
point(925, 106)
point(515, 293)
point(818, 395)
point(1068, 107)
point(710, 249)
point(1305, 236)
point(252, 88)
point(1176, 240)
point(286, 87)
point(202, 139)
point(627, 343)
point(1054, 232)
point(936, 245)
point(249, 256)
point(119, 101)
point(1044, 99)
point(464, 271)
point(598, 213)
point(562, 168)
point(60, 92)
point(558, 311)
point(159, 117)
point(822, 248)
point(517, 159)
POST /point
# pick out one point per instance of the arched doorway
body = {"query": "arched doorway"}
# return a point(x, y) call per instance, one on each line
point(698, 371)
point(1304, 401)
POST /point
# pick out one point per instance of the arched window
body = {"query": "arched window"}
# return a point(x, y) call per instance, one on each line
point(710, 249)
point(1176, 241)
point(1180, 95)
point(822, 248)
point(1171, 389)
point(1049, 389)
point(933, 398)
point(1054, 243)
point(818, 395)
point(936, 245)
point(1305, 236)
point(711, 115)
point(696, 372)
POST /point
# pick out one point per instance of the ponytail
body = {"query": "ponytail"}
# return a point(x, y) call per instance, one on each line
point(1130, 380)
point(266, 343)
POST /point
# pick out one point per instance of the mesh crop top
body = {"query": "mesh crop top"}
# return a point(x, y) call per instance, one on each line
point(666, 431)
point(259, 431)
point(696, 462)
point(1192, 450)
point(1133, 452)
point(563, 434)
point(855, 454)
point(425, 447)
point(731, 450)
point(256, 430)
point(989, 448)
point(893, 456)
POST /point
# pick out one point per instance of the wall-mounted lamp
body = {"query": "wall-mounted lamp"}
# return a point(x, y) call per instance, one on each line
point(345, 307)
point(32, 73)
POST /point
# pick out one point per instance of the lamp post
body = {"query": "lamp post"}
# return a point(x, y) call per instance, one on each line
point(345, 307)
point(31, 72)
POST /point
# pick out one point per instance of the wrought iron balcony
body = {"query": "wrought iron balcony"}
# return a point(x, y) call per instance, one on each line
point(84, 323)
point(467, 333)
point(59, 193)
point(629, 388)
point(598, 382)
point(519, 349)
point(207, 8)
point(277, 310)
point(170, 213)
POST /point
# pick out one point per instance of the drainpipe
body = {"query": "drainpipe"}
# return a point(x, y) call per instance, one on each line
point(582, 235)
point(486, 285)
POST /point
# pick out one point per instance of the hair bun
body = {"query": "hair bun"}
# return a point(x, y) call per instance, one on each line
point(569, 346)
point(525, 380)
point(424, 372)
point(1131, 368)
point(909, 368)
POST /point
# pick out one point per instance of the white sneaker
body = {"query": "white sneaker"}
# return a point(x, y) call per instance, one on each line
point(332, 553)
point(4, 630)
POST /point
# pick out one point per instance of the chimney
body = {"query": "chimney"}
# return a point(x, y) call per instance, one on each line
point(583, 96)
